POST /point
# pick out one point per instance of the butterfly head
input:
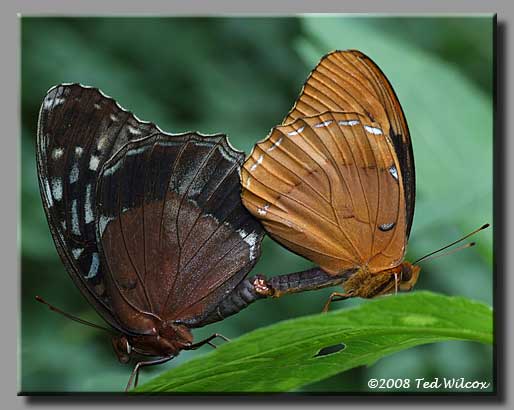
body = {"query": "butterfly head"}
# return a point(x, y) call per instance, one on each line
point(365, 284)
point(409, 274)
point(166, 340)
point(122, 348)
point(401, 278)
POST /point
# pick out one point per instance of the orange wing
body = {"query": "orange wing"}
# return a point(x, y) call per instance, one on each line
point(329, 187)
point(349, 81)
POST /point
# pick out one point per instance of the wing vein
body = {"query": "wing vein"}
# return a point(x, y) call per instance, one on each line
point(207, 201)
point(165, 201)
point(136, 271)
point(343, 179)
point(299, 178)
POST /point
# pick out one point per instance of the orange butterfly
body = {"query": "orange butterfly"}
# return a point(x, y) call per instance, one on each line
point(335, 182)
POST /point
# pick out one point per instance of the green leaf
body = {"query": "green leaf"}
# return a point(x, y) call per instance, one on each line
point(281, 357)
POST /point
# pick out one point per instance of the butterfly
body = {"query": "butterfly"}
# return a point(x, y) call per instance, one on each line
point(335, 182)
point(149, 225)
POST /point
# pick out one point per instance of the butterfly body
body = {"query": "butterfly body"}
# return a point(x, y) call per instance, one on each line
point(365, 284)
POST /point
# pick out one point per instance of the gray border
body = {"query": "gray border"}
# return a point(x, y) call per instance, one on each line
point(10, 92)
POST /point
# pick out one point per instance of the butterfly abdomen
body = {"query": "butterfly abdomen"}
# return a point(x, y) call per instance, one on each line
point(311, 279)
point(247, 292)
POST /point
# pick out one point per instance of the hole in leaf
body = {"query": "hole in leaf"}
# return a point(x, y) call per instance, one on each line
point(330, 350)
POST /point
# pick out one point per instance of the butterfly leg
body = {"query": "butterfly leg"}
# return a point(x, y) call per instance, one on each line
point(335, 297)
point(135, 373)
point(195, 346)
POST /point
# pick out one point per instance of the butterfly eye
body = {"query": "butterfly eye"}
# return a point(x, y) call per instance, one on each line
point(406, 273)
point(122, 348)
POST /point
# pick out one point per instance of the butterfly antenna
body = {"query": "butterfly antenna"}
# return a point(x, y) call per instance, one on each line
point(74, 318)
point(454, 243)
point(468, 245)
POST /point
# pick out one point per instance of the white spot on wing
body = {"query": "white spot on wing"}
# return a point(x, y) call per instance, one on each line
point(87, 207)
point(295, 132)
point(351, 123)
point(113, 169)
point(74, 218)
point(133, 130)
point(57, 188)
point(52, 102)
point(93, 163)
point(323, 124)
point(93, 269)
point(113, 118)
point(168, 143)
point(102, 223)
point(394, 172)
point(257, 163)
point(136, 151)
point(78, 151)
point(97, 106)
point(373, 130)
point(275, 144)
point(386, 227)
point(74, 174)
point(250, 239)
point(57, 153)
point(263, 210)
point(77, 252)
point(101, 142)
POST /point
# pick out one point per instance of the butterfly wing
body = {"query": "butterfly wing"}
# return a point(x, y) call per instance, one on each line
point(329, 187)
point(79, 129)
point(350, 81)
point(173, 231)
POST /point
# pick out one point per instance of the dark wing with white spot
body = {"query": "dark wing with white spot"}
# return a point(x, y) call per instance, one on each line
point(328, 188)
point(172, 229)
point(79, 129)
point(349, 81)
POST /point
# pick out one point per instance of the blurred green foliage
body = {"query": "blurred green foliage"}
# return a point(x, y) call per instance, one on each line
point(240, 76)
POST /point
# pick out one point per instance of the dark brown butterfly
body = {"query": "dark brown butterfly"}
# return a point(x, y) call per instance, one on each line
point(149, 225)
point(335, 182)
